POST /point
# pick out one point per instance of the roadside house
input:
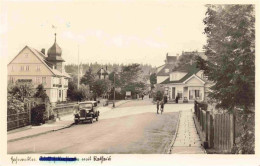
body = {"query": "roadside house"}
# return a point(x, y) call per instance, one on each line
point(31, 65)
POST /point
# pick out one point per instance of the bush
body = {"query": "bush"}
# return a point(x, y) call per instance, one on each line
point(158, 96)
point(118, 96)
point(203, 105)
point(38, 114)
point(245, 133)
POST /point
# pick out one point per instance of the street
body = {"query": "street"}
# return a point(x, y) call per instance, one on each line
point(131, 128)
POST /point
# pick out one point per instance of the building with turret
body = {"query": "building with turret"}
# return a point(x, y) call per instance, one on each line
point(31, 65)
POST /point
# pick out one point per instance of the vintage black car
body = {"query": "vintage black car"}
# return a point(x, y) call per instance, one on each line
point(87, 111)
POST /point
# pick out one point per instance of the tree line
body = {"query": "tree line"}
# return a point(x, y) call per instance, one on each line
point(121, 78)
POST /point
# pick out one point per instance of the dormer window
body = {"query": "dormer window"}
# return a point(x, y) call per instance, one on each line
point(167, 70)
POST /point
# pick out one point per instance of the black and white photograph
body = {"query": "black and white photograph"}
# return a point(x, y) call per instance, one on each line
point(123, 77)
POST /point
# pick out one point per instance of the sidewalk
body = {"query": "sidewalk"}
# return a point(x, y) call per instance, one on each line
point(187, 140)
point(64, 122)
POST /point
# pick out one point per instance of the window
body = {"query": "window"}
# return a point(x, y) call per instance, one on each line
point(26, 55)
point(59, 93)
point(43, 80)
point(38, 68)
point(24, 80)
point(179, 94)
point(194, 94)
point(37, 80)
point(22, 68)
point(27, 68)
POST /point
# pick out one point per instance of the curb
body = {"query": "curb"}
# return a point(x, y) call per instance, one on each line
point(120, 104)
point(175, 136)
point(19, 129)
point(196, 126)
point(38, 134)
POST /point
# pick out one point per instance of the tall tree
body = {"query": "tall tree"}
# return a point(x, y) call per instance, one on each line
point(88, 78)
point(100, 86)
point(153, 79)
point(187, 58)
point(130, 73)
point(230, 50)
point(131, 79)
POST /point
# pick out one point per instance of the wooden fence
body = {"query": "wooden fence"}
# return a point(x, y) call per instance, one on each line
point(217, 131)
point(19, 119)
point(64, 109)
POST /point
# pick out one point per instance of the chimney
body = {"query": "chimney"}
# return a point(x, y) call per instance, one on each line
point(43, 51)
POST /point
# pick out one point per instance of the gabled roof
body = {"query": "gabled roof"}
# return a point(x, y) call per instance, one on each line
point(190, 69)
point(160, 66)
point(162, 71)
point(104, 71)
point(194, 75)
point(42, 58)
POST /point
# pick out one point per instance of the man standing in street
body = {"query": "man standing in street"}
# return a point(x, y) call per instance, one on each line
point(162, 106)
point(158, 105)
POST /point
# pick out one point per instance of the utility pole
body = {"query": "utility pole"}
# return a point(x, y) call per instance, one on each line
point(114, 89)
point(78, 66)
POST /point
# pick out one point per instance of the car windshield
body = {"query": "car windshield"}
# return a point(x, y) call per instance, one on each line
point(85, 105)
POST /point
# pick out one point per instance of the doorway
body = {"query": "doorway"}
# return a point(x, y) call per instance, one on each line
point(173, 92)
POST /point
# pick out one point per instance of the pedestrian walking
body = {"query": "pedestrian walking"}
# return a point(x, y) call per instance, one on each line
point(142, 96)
point(177, 99)
point(162, 106)
point(158, 105)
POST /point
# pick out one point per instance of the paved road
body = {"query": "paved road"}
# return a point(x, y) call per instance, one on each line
point(131, 128)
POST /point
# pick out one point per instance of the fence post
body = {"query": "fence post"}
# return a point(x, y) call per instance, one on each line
point(201, 117)
point(232, 131)
point(211, 132)
point(207, 125)
point(217, 131)
point(17, 116)
point(29, 112)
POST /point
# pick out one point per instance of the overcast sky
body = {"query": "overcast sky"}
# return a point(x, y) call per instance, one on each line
point(106, 32)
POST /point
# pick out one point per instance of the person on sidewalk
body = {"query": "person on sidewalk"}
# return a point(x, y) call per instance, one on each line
point(158, 104)
point(177, 99)
point(162, 106)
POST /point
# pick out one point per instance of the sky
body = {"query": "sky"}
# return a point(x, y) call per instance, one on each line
point(122, 31)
